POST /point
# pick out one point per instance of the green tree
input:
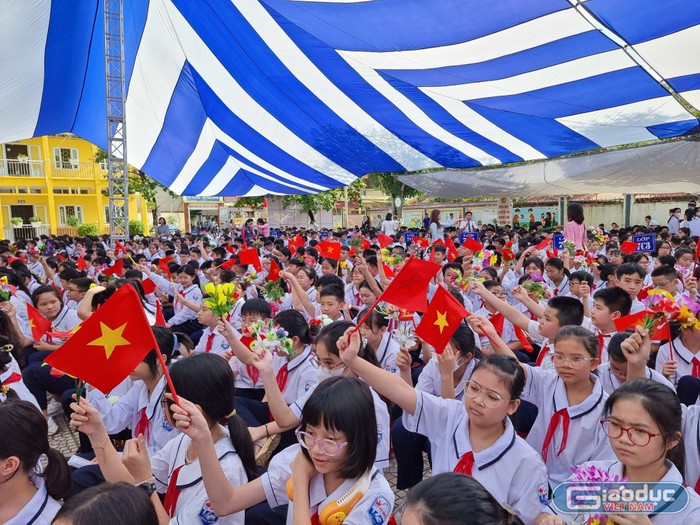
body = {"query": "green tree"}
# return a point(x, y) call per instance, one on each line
point(141, 183)
point(389, 183)
point(325, 200)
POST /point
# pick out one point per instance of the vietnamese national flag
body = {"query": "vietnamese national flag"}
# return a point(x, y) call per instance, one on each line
point(329, 249)
point(472, 245)
point(148, 286)
point(160, 319)
point(163, 265)
point(117, 267)
point(61, 257)
point(629, 322)
point(227, 265)
point(388, 272)
point(37, 322)
point(409, 289)
point(274, 274)
point(421, 241)
point(384, 240)
point(544, 244)
point(364, 244)
point(230, 249)
point(294, 243)
point(441, 320)
point(250, 256)
point(452, 253)
point(81, 264)
point(119, 248)
point(628, 247)
point(110, 343)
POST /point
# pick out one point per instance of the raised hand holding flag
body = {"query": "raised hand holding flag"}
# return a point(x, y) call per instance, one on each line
point(441, 320)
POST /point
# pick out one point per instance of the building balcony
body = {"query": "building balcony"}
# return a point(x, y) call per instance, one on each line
point(22, 167)
point(59, 170)
point(75, 170)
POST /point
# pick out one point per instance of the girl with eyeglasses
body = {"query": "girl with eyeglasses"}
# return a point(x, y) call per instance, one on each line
point(327, 477)
point(643, 422)
point(474, 436)
point(570, 400)
point(177, 468)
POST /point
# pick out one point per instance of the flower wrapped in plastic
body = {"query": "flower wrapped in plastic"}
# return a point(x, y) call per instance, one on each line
point(508, 256)
point(271, 337)
point(390, 312)
point(251, 277)
point(355, 240)
point(593, 474)
point(222, 298)
point(344, 268)
point(661, 309)
point(464, 280)
point(393, 260)
point(536, 287)
point(570, 247)
point(321, 321)
point(6, 289)
point(272, 291)
point(405, 335)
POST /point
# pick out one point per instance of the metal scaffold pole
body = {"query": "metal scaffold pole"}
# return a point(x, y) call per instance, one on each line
point(118, 173)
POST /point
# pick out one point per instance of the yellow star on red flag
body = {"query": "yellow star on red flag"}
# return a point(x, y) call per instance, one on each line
point(441, 320)
point(110, 338)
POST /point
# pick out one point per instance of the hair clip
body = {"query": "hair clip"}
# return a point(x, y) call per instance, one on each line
point(7, 348)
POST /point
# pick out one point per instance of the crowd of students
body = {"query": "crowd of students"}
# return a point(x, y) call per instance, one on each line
point(535, 382)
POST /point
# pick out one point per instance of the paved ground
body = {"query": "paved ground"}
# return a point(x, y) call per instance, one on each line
point(66, 441)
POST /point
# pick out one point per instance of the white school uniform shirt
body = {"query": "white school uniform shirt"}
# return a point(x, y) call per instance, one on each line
point(182, 313)
point(610, 382)
point(36, 268)
point(65, 321)
point(546, 347)
point(219, 345)
point(374, 507)
point(40, 510)
point(690, 515)
point(16, 384)
point(20, 299)
point(510, 469)
point(682, 356)
point(637, 306)
point(127, 412)
point(586, 439)
point(507, 334)
point(243, 379)
point(352, 295)
point(430, 380)
point(691, 439)
point(302, 374)
point(381, 413)
point(387, 352)
point(559, 291)
point(193, 503)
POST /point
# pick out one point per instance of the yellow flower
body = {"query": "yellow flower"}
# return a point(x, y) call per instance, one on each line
point(228, 288)
point(493, 260)
point(210, 289)
point(222, 300)
point(664, 293)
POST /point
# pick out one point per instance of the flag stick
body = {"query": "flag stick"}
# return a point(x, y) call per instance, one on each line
point(166, 373)
point(366, 316)
point(670, 343)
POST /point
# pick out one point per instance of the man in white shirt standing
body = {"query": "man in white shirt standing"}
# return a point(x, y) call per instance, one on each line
point(468, 224)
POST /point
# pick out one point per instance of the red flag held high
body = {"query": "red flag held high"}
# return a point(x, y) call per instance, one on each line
point(474, 246)
point(274, 271)
point(384, 240)
point(82, 264)
point(409, 289)
point(329, 249)
point(250, 256)
point(441, 320)
point(109, 344)
point(160, 319)
point(628, 247)
point(119, 248)
point(421, 241)
point(388, 271)
point(629, 322)
point(163, 265)
point(37, 322)
point(544, 244)
point(117, 267)
point(452, 253)
point(148, 286)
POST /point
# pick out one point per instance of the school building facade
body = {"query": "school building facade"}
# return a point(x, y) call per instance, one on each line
point(52, 178)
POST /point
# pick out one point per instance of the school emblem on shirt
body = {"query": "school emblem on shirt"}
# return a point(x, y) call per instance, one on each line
point(308, 385)
point(207, 515)
point(225, 346)
point(380, 511)
point(166, 425)
point(543, 494)
point(380, 434)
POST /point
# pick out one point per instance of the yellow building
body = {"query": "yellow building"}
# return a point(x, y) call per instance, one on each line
point(53, 178)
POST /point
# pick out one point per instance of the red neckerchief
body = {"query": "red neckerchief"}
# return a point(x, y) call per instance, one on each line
point(563, 416)
point(143, 426)
point(466, 464)
point(173, 493)
point(540, 357)
point(210, 339)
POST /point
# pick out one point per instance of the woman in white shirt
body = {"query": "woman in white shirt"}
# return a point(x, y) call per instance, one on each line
point(389, 225)
point(436, 231)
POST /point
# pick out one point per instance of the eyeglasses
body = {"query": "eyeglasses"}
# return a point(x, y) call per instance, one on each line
point(491, 399)
point(637, 436)
point(329, 447)
point(329, 368)
point(575, 361)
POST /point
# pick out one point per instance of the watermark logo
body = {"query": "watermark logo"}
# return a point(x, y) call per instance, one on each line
point(619, 497)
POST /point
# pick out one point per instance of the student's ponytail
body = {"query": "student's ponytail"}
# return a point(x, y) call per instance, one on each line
point(243, 443)
point(24, 434)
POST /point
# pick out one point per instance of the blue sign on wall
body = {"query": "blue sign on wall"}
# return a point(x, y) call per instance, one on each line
point(558, 241)
point(463, 236)
point(324, 235)
point(645, 242)
point(409, 237)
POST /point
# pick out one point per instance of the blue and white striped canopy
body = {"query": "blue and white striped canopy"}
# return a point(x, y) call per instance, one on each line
point(253, 97)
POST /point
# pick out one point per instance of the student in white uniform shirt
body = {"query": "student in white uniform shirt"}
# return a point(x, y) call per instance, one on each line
point(570, 399)
point(319, 476)
point(211, 341)
point(408, 445)
point(686, 355)
point(140, 408)
point(623, 366)
point(630, 277)
point(27, 497)
point(691, 440)
point(177, 468)
point(288, 417)
point(643, 422)
point(11, 374)
point(475, 436)
point(374, 330)
point(187, 286)
point(557, 277)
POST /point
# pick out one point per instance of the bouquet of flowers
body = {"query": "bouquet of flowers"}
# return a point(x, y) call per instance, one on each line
point(321, 321)
point(594, 474)
point(535, 286)
point(405, 335)
point(272, 291)
point(464, 280)
point(6, 289)
point(570, 247)
point(271, 337)
point(251, 277)
point(393, 260)
point(389, 311)
point(221, 298)
point(414, 250)
point(344, 268)
point(508, 255)
point(661, 309)
point(355, 240)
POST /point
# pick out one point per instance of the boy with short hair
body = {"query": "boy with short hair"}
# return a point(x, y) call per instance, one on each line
point(608, 304)
point(630, 278)
point(576, 279)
